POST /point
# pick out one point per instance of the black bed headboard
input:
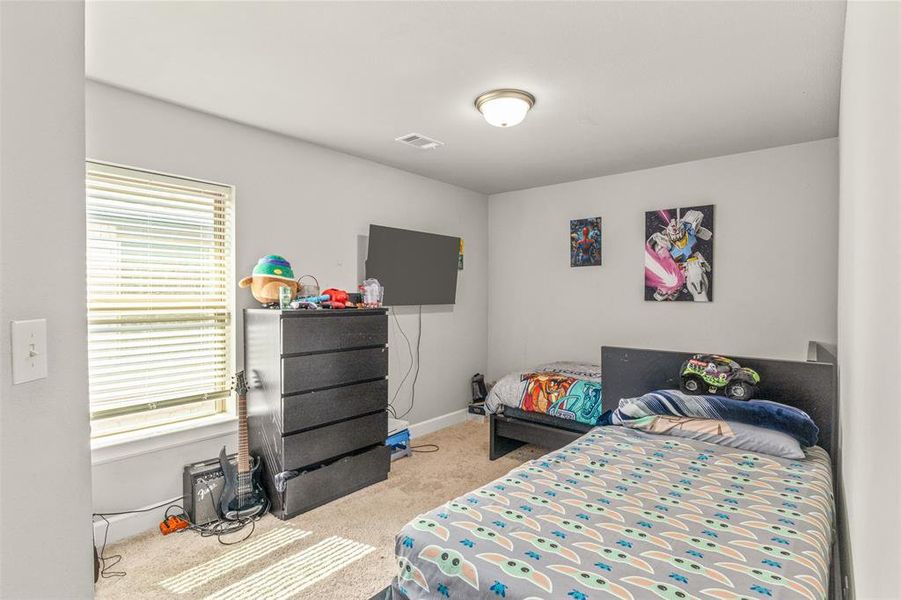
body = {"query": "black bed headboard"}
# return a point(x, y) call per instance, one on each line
point(810, 386)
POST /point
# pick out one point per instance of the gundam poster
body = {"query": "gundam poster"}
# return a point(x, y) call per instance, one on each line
point(585, 242)
point(678, 254)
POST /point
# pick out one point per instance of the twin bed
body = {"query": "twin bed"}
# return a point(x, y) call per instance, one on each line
point(617, 512)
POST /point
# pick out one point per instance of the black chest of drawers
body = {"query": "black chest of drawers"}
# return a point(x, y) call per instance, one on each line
point(316, 404)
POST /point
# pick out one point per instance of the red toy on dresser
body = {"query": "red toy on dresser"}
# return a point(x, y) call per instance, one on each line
point(337, 298)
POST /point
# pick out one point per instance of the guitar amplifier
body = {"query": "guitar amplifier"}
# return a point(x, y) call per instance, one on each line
point(202, 486)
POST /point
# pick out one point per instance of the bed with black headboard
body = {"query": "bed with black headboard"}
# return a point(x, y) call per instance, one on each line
point(630, 372)
point(622, 512)
point(810, 386)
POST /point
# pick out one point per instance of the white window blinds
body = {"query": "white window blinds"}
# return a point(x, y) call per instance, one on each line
point(160, 285)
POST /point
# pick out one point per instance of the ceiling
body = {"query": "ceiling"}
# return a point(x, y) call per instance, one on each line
point(619, 85)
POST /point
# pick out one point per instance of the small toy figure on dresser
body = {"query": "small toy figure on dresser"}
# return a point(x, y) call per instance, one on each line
point(332, 298)
point(270, 276)
point(337, 299)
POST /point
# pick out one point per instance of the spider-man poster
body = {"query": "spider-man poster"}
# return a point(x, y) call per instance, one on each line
point(585, 242)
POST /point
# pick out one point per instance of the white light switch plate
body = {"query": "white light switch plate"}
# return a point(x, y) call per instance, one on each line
point(29, 350)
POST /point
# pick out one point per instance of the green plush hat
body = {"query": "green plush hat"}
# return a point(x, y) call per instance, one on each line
point(274, 266)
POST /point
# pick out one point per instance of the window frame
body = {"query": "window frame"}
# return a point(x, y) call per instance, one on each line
point(225, 406)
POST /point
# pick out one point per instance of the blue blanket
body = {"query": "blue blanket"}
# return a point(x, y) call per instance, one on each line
point(762, 413)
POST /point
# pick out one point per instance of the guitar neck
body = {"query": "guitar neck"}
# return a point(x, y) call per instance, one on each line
point(243, 452)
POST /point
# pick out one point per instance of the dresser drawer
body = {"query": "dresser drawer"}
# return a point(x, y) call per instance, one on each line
point(307, 448)
point(349, 474)
point(316, 371)
point(312, 409)
point(333, 332)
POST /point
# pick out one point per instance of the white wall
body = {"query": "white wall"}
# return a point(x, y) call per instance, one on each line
point(310, 205)
point(869, 291)
point(775, 252)
point(45, 478)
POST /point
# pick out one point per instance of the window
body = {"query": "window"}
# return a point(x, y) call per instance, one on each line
point(160, 298)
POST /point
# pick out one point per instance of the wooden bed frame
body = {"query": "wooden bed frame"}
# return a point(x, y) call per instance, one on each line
point(811, 386)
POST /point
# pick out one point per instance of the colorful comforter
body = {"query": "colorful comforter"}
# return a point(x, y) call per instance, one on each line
point(563, 390)
point(625, 514)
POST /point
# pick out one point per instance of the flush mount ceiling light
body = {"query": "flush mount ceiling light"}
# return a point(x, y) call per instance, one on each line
point(505, 108)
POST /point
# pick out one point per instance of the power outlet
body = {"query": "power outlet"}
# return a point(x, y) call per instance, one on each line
point(29, 350)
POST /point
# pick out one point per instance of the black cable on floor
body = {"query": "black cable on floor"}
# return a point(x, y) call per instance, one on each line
point(430, 448)
point(113, 560)
point(221, 527)
point(108, 562)
point(216, 528)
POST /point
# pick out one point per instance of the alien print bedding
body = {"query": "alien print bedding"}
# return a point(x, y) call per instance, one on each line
point(564, 390)
point(625, 514)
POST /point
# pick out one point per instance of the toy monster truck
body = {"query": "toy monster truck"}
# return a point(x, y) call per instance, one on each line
point(712, 374)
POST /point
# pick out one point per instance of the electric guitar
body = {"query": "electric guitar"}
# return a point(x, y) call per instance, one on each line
point(242, 492)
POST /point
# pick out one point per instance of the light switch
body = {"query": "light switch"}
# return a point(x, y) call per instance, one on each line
point(29, 350)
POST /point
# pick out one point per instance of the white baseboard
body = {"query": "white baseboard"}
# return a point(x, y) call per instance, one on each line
point(439, 422)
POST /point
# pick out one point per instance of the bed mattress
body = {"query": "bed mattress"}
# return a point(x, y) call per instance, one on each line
point(620, 513)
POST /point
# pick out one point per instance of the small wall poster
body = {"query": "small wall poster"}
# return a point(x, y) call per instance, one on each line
point(678, 262)
point(585, 242)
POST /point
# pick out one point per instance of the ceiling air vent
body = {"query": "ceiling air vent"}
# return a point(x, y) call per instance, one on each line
point(420, 141)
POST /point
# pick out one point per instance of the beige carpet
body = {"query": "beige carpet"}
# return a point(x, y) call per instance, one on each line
point(344, 549)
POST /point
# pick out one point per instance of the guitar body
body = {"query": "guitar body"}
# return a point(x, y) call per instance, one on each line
point(242, 494)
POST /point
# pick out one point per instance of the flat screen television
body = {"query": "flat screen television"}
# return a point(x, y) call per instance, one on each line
point(414, 267)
